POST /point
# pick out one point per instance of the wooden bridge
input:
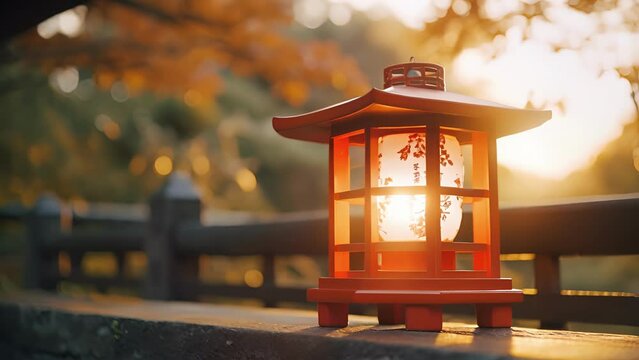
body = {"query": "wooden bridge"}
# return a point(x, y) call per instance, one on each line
point(173, 237)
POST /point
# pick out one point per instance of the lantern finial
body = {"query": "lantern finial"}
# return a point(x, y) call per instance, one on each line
point(423, 75)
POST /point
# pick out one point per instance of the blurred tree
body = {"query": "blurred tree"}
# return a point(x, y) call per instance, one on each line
point(462, 24)
point(138, 88)
point(179, 119)
point(213, 67)
point(180, 47)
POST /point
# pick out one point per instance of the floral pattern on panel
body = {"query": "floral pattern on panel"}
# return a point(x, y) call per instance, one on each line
point(409, 209)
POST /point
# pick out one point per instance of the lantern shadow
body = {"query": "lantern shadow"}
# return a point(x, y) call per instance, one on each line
point(454, 336)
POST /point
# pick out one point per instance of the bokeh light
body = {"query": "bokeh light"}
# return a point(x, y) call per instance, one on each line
point(137, 165)
point(246, 180)
point(65, 79)
point(253, 278)
point(163, 165)
point(108, 126)
point(201, 165)
point(69, 23)
point(119, 92)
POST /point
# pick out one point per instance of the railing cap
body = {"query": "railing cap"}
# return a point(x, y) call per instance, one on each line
point(48, 205)
point(178, 186)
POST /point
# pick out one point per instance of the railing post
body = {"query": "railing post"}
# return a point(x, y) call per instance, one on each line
point(43, 227)
point(75, 257)
point(548, 282)
point(268, 270)
point(120, 258)
point(175, 204)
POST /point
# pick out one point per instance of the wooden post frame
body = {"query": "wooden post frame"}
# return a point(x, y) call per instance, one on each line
point(433, 193)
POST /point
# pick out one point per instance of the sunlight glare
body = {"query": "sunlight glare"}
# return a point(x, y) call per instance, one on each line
point(594, 107)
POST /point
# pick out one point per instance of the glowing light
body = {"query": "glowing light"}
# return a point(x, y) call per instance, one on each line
point(65, 79)
point(461, 7)
point(442, 4)
point(412, 13)
point(100, 120)
point(136, 264)
point(163, 165)
point(246, 180)
point(99, 264)
point(596, 293)
point(137, 165)
point(402, 162)
point(339, 14)
point(310, 13)
point(48, 28)
point(110, 128)
point(253, 278)
point(576, 132)
point(517, 257)
point(69, 23)
point(119, 92)
point(529, 291)
point(201, 165)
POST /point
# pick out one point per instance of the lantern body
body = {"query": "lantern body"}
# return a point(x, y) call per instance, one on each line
point(402, 253)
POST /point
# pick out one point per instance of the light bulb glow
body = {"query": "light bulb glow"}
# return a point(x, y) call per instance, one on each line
point(402, 162)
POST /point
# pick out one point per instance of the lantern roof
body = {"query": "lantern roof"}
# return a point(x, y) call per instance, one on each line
point(413, 94)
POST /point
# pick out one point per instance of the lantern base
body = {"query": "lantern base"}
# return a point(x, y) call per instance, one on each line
point(418, 305)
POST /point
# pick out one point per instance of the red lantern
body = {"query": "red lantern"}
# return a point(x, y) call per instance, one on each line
point(412, 134)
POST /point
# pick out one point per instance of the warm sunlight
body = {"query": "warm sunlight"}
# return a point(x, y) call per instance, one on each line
point(319, 179)
point(590, 104)
point(589, 107)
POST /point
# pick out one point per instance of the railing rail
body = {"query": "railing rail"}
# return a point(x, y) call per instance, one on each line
point(173, 239)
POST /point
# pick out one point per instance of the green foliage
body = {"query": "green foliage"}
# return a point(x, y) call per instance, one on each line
point(178, 118)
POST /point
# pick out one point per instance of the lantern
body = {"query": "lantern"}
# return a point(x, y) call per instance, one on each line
point(416, 180)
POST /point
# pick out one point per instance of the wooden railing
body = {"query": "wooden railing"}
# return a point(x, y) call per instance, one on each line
point(173, 239)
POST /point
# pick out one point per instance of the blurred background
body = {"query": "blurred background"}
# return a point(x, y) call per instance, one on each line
point(102, 100)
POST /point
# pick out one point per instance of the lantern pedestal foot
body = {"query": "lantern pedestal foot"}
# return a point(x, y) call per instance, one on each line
point(332, 314)
point(424, 317)
point(494, 315)
point(390, 314)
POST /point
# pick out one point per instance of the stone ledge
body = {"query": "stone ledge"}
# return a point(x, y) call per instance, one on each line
point(45, 326)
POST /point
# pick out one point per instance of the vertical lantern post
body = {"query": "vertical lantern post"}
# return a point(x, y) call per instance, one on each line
point(407, 262)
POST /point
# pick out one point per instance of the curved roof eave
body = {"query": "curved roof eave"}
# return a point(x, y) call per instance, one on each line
point(314, 126)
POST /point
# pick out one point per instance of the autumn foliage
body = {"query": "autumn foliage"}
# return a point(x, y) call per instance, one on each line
point(181, 47)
